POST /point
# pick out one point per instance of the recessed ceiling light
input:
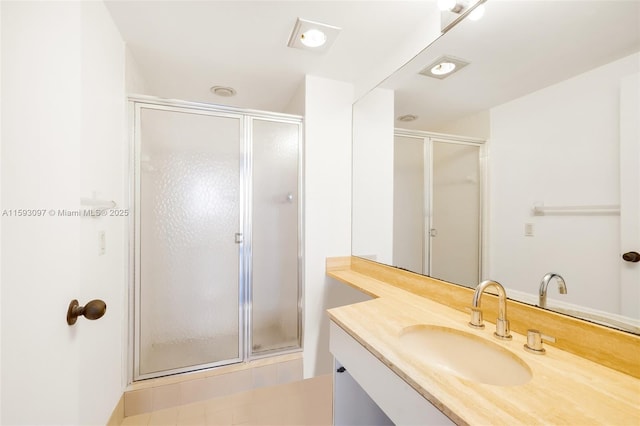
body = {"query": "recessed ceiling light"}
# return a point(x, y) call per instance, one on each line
point(408, 117)
point(224, 91)
point(313, 36)
point(444, 67)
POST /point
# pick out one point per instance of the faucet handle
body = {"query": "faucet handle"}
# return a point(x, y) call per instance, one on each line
point(534, 341)
point(502, 329)
point(476, 318)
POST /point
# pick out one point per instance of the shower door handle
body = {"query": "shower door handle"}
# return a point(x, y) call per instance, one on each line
point(239, 238)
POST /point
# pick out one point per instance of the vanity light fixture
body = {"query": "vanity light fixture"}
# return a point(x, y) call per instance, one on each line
point(443, 67)
point(453, 11)
point(309, 35)
point(477, 13)
point(446, 4)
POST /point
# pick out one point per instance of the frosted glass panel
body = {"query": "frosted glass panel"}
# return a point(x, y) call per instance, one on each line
point(409, 250)
point(456, 213)
point(189, 262)
point(275, 236)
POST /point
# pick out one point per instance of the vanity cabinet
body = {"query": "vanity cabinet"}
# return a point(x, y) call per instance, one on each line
point(352, 405)
point(367, 392)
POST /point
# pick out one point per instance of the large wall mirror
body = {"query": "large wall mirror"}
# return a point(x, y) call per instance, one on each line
point(523, 161)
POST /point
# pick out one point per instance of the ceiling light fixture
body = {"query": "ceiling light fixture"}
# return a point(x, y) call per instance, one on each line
point(223, 91)
point(313, 36)
point(444, 66)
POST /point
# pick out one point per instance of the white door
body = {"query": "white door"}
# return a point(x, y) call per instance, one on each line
point(63, 121)
point(630, 195)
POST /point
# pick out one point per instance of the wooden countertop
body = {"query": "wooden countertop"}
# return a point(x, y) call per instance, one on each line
point(564, 389)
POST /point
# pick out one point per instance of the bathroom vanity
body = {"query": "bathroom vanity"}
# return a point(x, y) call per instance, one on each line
point(384, 346)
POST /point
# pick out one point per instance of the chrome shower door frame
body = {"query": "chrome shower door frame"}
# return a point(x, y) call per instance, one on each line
point(428, 139)
point(288, 119)
point(245, 117)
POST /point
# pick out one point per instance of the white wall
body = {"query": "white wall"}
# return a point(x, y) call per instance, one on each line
point(62, 137)
point(327, 210)
point(373, 176)
point(135, 83)
point(476, 125)
point(1, 157)
point(559, 146)
point(415, 42)
point(296, 103)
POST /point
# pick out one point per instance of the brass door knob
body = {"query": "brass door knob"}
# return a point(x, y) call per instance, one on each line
point(92, 311)
point(632, 256)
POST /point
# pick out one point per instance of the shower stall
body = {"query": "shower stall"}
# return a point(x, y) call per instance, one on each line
point(217, 241)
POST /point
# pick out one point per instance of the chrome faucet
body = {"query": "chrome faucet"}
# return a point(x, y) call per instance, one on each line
point(562, 287)
point(502, 324)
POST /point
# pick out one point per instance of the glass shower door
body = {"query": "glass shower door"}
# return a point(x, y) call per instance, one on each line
point(455, 206)
point(409, 193)
point(188, 256)
point(275, 250)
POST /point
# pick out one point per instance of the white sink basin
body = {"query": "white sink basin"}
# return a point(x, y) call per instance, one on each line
point(464, 355)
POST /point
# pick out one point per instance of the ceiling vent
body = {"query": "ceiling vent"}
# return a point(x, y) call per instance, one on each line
point(223, 91)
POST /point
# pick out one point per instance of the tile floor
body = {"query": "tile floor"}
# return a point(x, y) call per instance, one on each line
point(306, 402)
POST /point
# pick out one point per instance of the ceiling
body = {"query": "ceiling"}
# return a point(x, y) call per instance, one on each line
point(517, 47)
point(182, 48)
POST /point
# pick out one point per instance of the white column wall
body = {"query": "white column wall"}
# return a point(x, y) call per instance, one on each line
point(327, 210)
point(373, 176)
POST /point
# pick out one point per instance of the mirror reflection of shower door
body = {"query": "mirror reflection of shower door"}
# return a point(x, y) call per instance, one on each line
point(409, 225)
point(188, 215)
point(456, 213)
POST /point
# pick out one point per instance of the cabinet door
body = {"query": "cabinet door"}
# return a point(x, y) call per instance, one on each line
point(393, 396)
point(351, 404)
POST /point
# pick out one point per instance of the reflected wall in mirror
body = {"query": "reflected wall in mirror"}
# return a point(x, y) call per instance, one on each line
point(554, 90)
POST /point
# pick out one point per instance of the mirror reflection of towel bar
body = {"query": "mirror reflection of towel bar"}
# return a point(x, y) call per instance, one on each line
point(609, 210)
point(94, 202)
